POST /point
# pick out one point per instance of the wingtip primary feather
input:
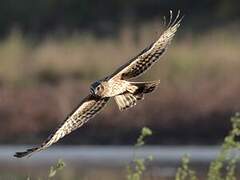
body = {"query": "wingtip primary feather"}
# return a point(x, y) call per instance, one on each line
point(170, 20)
point(20, 154)
point(174, 22)
point(172, 26)
point(28, 152)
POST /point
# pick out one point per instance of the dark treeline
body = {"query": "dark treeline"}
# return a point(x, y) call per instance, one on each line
point(106, 16)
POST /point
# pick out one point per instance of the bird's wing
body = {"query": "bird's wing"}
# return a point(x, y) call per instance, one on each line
point(151, 54)
point(87, 109)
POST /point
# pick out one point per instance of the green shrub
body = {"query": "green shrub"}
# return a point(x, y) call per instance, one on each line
point(224, 166)
point(137, 167)
point(54, 169)
point(184, 172)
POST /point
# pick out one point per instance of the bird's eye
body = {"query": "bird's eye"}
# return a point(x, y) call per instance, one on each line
point(98, 88)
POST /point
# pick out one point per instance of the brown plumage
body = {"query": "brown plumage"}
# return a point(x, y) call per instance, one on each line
point(151, 54)
point(87, 109)
point(125, 93)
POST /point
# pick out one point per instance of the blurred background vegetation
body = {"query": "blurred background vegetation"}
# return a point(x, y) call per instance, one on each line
point(106, 18)
point(51, 50)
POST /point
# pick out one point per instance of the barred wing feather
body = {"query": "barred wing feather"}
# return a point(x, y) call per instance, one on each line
point(87, 109)
point(150, 55)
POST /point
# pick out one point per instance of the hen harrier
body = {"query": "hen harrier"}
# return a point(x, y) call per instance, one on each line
point(125, 93)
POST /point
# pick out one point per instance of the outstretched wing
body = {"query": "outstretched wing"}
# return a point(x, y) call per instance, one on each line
point(87, 109)
point(150, 55)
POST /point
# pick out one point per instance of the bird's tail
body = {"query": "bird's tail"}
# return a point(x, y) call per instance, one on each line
point(145, 87)
point(135, 92)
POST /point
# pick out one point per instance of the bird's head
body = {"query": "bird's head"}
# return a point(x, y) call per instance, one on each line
point(97, 88)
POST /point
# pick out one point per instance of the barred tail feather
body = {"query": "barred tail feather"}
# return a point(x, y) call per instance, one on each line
point(135, 92)
point(145, 87)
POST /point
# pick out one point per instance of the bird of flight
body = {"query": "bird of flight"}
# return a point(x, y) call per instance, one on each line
point(117, 85)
